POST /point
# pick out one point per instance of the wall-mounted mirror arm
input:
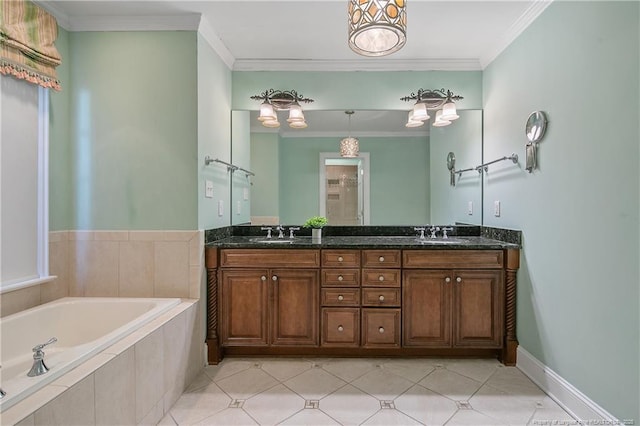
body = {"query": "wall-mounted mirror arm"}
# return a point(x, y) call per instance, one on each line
point(485, 166)
point(230, 167)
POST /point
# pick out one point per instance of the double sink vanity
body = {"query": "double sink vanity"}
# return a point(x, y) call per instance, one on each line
point(361, 291)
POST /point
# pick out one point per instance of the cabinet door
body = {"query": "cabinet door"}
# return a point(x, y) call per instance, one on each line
point(426, 308)
point(478, 308)
point(380, 328)
point(295, 306)
point(244, 308)
point(341, 327)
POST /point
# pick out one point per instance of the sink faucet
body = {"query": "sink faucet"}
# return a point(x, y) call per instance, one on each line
point(421, 229)
point(444, 232)
point(292, 229)
point(268, 229)
point(433, 231)
point(39, 366)
point(280, 230)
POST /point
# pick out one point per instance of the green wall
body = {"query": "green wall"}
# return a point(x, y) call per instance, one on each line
point(241, 157)
point(265, 191)
point(578, 296)
point(133, 128)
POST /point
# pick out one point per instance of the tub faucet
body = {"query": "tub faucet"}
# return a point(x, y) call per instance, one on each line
point(38, 368)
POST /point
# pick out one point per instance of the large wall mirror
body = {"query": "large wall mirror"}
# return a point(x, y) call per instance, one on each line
point(400, 178)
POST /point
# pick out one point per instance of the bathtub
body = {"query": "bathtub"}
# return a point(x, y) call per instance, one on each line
point(84, 326)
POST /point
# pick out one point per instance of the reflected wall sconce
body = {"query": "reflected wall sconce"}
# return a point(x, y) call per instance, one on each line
point(441, 101)
point(281, 100)
point(349, 147)
point(377, 27)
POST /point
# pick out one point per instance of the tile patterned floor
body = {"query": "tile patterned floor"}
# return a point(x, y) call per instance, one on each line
point(338, 391)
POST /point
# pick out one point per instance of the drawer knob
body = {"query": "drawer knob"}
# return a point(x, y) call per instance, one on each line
point(340, 328)
point(381, 330)
point(340, 258)
point(263, 278)
point(274, 278)
point(459, 279)
point(340, 278)
point(381, 278)
point(340, 297)
point(381, 258)
point(447, 280)
point(381, 298)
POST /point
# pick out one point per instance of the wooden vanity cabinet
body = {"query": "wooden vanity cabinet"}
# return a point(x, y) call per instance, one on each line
point(453, 307)
point(269, 306)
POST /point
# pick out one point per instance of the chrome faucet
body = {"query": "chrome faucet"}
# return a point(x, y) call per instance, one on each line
point(292, 229)
point(444, 232)
point(280, 230)
point(268, 229)
point(433, 231)
point(39, 366)
point(421, 229)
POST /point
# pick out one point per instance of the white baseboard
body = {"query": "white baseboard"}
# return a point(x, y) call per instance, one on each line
point(577, 404)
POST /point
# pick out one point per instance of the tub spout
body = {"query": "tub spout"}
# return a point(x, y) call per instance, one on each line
point(38, 368)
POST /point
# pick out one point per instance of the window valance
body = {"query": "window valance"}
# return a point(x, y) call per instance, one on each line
point(27, 49)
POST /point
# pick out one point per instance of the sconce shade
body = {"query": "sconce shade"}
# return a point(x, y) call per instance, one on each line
point(439, 121)
point(267, 112)
point(426, 100)
point(412, 122)
point(377, 27)
point(449, 112)
point(349, 147)
point(295, 113)
point(299, 124)
point(281, 100)
point(271, 123)
point(420, 112)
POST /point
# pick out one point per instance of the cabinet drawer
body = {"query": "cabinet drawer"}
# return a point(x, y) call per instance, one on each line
point(341, 258)
point(381, 277)
point(269, 258)
point(380, 328)
point(449, 259)
point(340, 296)
point(381, 258)
point(341, 277)
point(381, 297)
point(340, 327)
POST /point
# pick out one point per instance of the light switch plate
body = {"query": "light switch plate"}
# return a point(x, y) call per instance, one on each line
point(496, 208)
point(220, 208)
point(208, 189)
point(470, 208)
point(245, 193)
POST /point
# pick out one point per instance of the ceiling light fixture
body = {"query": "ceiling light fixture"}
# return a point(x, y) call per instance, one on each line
point(377, 27)
point(281, 100)
point(349, 147)
point(441, 100)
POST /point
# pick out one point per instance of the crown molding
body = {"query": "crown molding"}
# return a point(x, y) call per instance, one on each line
point(529, 15)
point(357, 65)
point(207, 32)
point(62, 18)
point(188, 22)
point(292, 133)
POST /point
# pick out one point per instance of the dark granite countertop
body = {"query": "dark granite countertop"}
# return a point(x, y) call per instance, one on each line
point(365, 242)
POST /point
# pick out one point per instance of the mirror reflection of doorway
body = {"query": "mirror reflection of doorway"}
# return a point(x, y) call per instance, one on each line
point(344, 191)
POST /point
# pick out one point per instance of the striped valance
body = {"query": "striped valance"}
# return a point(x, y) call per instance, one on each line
point(27, 49)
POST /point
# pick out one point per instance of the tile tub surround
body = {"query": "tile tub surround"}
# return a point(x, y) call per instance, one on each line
point(117, 264)
point(135, 381)
point(363, 391)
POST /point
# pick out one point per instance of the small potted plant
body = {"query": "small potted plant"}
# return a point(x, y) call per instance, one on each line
point(316, 223)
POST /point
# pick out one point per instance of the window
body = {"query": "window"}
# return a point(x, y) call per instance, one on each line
point(24, 134)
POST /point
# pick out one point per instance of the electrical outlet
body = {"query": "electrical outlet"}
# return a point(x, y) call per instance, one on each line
point(239, 207)
point(245, 194)
point(496, 208)
point(220, 208)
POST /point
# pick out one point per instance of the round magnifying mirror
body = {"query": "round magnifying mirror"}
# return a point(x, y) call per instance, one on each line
point(536, 126)
point(451, 161)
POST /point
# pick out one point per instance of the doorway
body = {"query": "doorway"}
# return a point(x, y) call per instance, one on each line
point(344, 189)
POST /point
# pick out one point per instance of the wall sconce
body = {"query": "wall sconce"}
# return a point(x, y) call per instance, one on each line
point(377, 27)
point(349, 147)
point(440, 100)
point(281, 100)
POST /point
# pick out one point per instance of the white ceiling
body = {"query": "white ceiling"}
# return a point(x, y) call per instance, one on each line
point(312, 34)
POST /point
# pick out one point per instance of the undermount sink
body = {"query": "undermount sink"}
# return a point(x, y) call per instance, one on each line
point(438, 241)
point(270, 241)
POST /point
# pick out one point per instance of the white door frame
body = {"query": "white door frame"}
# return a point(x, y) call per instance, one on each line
point(364, 156)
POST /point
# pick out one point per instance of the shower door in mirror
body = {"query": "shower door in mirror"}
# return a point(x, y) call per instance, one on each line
point(343, 193)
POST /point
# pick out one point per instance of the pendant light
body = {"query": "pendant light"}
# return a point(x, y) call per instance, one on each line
point(349, 147)
point(377, 27)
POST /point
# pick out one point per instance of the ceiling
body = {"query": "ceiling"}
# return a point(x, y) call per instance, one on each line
point(300, 35)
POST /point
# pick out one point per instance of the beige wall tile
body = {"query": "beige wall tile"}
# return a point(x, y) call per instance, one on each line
point(27, 407)
point(146, 235)
point(179, 235)
point(19, 300)
point(149, 361)
point(136, 269)
point(111, 235)
point(196, 328)
point(197, 279)
point(58, 266)
point(175, 358)
point(29, 421)
point(196, 249)
point(57, 236)
point(94, 268)
point(171, 271)
point(154, 416)
point(115, 395)
point(74, 407)
point(80, 235)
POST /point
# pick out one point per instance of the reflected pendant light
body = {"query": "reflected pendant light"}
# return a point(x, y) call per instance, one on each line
point(349, 147)
point(377, 27)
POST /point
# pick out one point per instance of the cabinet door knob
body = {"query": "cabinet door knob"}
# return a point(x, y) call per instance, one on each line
point(381, 259)
point(340, 297)
point(263, 278)
point(381, 298)
point(340, 328)
point(459, 280)
point(274, 278)
point(340, 278)
point(340, 258)
point(381, 278)
point(381, 330)
point(447, 280)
